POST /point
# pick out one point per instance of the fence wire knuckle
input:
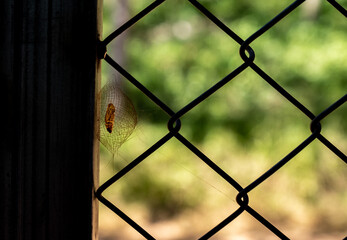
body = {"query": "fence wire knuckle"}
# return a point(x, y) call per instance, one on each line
point(174, 124)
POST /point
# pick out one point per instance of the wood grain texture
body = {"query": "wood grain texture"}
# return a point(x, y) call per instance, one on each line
point(48, 70)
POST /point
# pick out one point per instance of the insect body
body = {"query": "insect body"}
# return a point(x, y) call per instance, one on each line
point(109, 117)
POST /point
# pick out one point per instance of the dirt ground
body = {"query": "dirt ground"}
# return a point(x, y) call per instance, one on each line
point(193, 226)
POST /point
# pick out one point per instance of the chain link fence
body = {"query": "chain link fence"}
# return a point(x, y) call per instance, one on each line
point(174, 124)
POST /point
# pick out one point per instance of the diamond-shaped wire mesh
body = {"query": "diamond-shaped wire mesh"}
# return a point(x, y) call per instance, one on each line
point(248, 55)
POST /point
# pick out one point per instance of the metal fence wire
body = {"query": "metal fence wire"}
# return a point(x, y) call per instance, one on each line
point(174, 124)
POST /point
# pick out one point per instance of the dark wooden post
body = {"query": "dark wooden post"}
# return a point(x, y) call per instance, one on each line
point(48, 71)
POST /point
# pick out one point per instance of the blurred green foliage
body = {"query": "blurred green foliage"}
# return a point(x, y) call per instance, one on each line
point(177, 53)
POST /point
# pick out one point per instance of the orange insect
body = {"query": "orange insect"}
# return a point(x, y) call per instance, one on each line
point(109, 117)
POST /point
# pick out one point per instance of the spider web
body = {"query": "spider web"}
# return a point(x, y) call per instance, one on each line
point(125, 117)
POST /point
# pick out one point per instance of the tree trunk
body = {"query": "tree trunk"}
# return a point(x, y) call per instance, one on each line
point(48, 73)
